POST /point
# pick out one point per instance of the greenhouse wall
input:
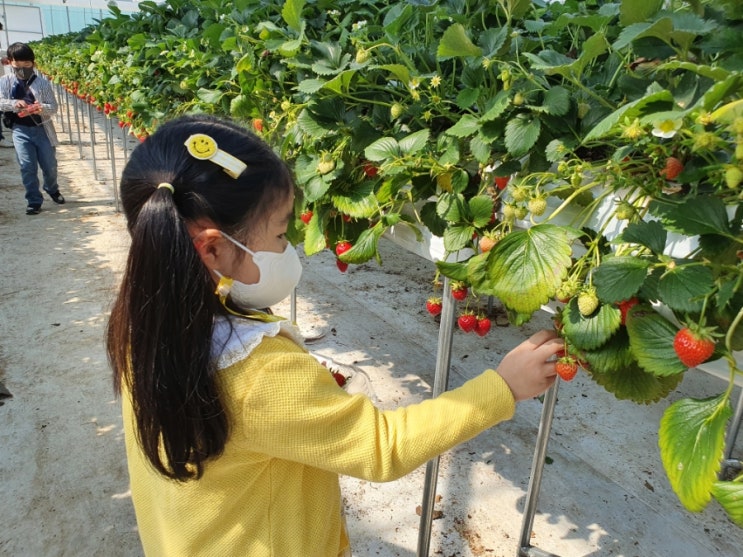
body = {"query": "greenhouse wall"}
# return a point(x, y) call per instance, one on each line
point(32, 21)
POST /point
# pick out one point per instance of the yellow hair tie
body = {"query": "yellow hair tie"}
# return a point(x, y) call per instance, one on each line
point(166, 186)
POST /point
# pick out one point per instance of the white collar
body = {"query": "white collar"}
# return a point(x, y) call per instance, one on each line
point(235, 339)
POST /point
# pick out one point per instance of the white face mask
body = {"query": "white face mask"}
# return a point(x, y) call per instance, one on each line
point(279, 275)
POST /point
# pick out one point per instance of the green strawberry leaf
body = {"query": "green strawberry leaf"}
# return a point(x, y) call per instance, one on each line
point(292, 14)
point(633, 383)
point(703, 214)
point(456, 44)
point(619, 278)
point(651, 338)
point(684, 286)
point(366, 245)
point(481, 210)
point(210, 96)
point(730, 496)
point(314, 237)
point(457, 270)
point(650, 234)
point(525, 268)
point(588, 333)
point(414, 142)
point(557, 101)
point(451, 207)
point(435, 224)
point(383, 148)
point(692, 439)
point(361, 203)
point(498, 106)
point(457, 237)
point(309, 125)
point(465, 126)
point(614, 355)
point(481, 150)
point(521, 134)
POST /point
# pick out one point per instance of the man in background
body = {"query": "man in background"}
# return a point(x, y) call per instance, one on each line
point(30, 99)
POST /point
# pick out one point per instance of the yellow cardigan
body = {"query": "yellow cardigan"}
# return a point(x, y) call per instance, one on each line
point(275, 491)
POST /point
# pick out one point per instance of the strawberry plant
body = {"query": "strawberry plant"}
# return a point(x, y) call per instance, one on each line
point(606, 138)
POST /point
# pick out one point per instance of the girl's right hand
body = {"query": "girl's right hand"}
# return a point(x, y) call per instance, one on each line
point(526, 368)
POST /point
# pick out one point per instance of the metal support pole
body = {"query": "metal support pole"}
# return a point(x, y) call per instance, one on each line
point(440, 384)
point(91, 131)
point(78, 117)
point(125, 142)
point(293, 306)
point(734, 427)
point(110, 144)
point(535, 481)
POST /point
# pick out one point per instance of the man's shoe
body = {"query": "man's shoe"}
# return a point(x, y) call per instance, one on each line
point(5, 143)
point(33, 210)
point(57, 198)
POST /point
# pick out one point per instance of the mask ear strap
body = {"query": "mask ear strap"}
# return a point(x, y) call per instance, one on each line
point(238, 244)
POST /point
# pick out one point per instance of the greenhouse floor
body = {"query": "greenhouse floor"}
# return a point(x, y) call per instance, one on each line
point(64, 485)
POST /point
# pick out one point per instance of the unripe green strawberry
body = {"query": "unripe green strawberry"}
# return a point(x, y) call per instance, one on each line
point(519, 194)
point(396, 110)
point(733, 177)
point(537, 205)
point(588, 302)
point(521, 212)
point(567, 289)
point(509, 211)
point(326, 164)
point(624, 211)
point(518, 99)
point(583, 108)
point(362, 55)
point(739, 150)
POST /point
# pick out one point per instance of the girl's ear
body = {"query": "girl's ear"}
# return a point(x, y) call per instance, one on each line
point(211, 247)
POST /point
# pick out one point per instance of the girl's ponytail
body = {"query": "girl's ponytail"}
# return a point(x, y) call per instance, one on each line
point(166, 364)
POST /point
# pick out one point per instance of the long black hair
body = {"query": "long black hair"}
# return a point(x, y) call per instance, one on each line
point(160, 330)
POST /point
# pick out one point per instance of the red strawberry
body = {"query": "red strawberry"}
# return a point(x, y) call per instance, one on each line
point(501, 182)
point(433, 305)
point(370, 170)
point(339, 378)
point(625, 306)
point(258, 124)
point(694, 346)
point(342, 247)
point(342, 267)
point(672, 169)
point(459, 290)
point(483, 326)
point(566, 367)
point(306, 216)
point(467, 322)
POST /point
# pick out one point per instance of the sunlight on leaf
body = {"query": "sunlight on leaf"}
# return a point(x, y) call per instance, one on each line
point(525, 269)
point(691, 440)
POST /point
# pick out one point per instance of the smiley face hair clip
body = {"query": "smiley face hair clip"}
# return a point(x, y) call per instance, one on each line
point(203, 147)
